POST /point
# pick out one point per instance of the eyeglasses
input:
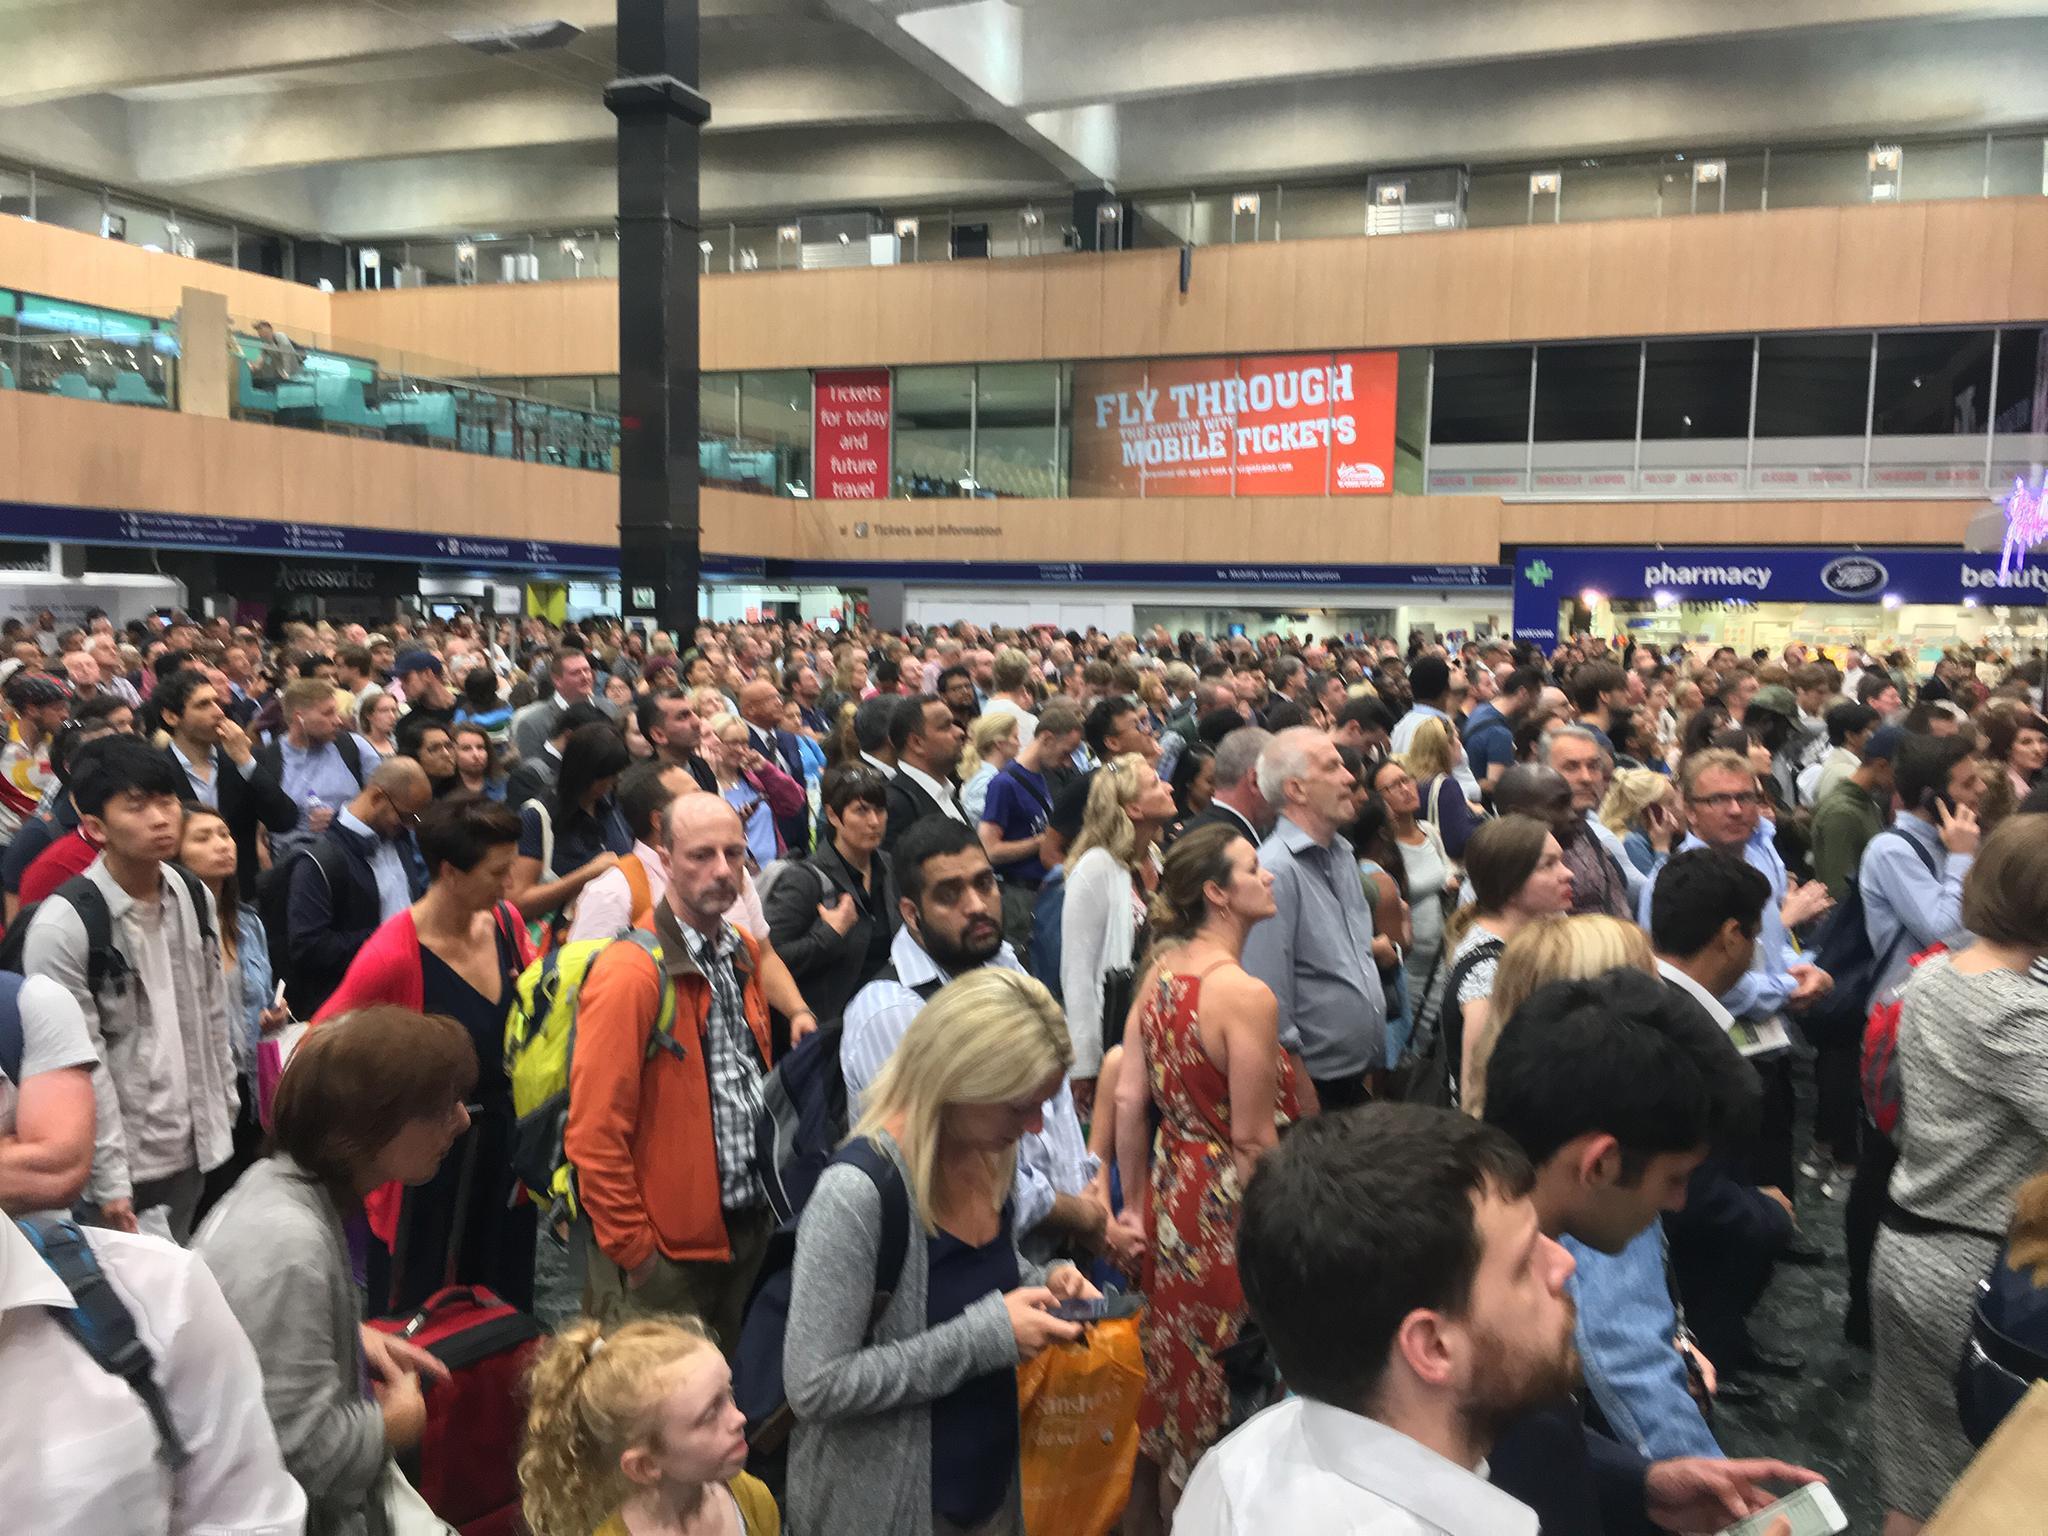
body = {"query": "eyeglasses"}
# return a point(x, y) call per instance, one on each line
point(1730, 802)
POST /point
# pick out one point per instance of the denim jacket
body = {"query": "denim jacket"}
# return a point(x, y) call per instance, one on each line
point(1625, 1330)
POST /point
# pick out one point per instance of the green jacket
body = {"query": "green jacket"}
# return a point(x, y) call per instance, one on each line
point(1843, 824)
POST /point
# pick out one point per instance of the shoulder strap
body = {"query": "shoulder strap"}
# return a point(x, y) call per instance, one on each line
point(12, 1045)
point(104, 963)
point(1013, 771)
point(547, 835)
point(1435, 794)
point(1926, 858)
point(926, 990)
point(102, 1323)
point(197, 894)
point(895, 1243)
point(637, 886)
point(351, 754)
point(663, 1036)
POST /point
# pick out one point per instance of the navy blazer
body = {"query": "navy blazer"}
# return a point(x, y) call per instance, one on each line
point(784, 751)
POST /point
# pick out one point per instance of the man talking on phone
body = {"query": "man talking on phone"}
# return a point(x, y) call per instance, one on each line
point(1912, 880)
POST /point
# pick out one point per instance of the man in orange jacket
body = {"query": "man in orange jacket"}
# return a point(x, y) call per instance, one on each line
point(675, 1218)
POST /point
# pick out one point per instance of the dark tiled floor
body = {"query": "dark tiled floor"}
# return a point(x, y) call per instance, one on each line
point(1821, 1418)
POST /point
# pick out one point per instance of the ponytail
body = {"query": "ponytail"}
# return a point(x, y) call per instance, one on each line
point(591, 1398)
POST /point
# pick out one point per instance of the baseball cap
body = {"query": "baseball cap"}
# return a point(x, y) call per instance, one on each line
point(1777, 698)
point(416, 661)
point(1883, 745)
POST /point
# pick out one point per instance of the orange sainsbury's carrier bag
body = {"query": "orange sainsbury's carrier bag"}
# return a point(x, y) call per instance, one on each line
point(1078, 1405)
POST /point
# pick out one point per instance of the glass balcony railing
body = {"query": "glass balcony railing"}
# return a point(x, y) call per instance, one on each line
point(89, 365)
point(1679, 183)
point(330, 384)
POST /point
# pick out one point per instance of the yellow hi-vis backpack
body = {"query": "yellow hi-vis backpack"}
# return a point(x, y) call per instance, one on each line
point(540, 1044)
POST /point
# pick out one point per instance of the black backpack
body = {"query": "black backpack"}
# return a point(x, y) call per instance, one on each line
point(804, 1118)
point(2006, 1351)
point(1844, 952)
point(273, 907)
point(1428, 1073)
point(106, 968)
point(272, 757)
point(757, 1360)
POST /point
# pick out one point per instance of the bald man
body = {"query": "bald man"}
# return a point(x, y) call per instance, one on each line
point(761, 707)
point(349, 879)
point(675, 1218)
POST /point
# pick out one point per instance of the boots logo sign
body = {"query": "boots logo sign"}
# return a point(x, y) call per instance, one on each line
point(1854, 576)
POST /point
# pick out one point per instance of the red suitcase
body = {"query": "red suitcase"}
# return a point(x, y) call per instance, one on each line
point(467, 1463)
point(468, 1459)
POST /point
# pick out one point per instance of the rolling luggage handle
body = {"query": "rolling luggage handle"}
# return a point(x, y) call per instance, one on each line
point(402, 1246)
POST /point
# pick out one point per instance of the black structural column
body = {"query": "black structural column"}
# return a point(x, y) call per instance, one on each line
point(659, 112)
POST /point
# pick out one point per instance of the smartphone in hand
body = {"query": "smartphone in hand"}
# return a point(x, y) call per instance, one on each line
point(1099, 1310)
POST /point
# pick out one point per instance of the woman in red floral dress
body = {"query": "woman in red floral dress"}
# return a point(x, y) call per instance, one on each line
point(1202, 1049)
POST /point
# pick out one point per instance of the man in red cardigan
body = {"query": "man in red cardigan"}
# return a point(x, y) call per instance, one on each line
point(675, 1218)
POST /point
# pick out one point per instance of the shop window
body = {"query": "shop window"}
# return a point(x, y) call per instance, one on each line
point(1931, 408)
point(2020, 408)
point(1812, 393)
point(1479, 420)
point(1016, 437)
point(775, 431)
point(1695, 416)
point(934, 437)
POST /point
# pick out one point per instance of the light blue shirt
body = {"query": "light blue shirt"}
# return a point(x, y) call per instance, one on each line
point(1904, 905)
point(311, 773)
point(1768, 984)
point(1054, 1161)
point(1315, 955)
point(252, 963)
point(387, 866)
point(207, 790)
point(1624, 1332)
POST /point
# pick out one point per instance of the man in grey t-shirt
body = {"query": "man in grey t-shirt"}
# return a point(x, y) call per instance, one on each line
point(46, 1105)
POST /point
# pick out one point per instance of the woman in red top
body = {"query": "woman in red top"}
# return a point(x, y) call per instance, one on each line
point(1202, 1047)
point(457, 951)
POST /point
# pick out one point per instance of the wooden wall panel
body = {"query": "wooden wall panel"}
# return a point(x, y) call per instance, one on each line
point(1966, 263)
point(1793, 280)
point(1552, 294)
point(1626, 295)
point(959, 304)
point(1878, 266)
point(1707, 267)
point(1134, 285)
point(2027, 297)
point(903, 313)
point(1073, 305)
point(1259, 304)
point(1330, 283)
point(1015, 326)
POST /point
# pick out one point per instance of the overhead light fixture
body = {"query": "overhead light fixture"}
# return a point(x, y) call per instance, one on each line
point(1893, 600)
point(464, 251)
point(844, 238)
point(1886, 157)
point(1108, 213)
point(789, 234)
point(1244, 203)
point(1592, 598)
point(1030, 218)
point(1706, 172)
point(1391, 194)
point(906, 229)
point(704, 246)
point(536, 37)
point(1545, 183)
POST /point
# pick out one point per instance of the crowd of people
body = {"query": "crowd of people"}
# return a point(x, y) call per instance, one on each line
point(1443, 1043)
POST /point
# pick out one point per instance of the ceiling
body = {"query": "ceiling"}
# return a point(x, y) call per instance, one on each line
point(357, 118)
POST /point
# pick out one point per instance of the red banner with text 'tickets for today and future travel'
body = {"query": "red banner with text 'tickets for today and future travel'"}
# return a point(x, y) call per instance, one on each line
point(850, 412)
point(1313, 425)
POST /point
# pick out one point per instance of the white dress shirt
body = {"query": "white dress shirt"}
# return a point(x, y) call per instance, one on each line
point(938, 789)
point(1309, 1467)
point(77, 1449)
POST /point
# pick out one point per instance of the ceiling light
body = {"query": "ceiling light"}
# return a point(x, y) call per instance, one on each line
point(1545, 183)
point(1893, 600)
point(536, 37)
point(789, 234)
point(704, 246)
point(1391, 194)
point(1030, 218)
point(1886, 157)
point(1244, 203)
point(906, 229)
point(1706, 172)
point(1591, 598)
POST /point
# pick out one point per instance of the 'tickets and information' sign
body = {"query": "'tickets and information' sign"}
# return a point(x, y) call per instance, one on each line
point(850, 414)
point(1310, 425)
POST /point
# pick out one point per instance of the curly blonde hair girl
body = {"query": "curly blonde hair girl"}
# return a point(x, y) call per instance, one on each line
point(592, 1398)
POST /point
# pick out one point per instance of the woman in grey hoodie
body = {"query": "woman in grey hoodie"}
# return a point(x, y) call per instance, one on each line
point(910, 1425)
point(374, 1096)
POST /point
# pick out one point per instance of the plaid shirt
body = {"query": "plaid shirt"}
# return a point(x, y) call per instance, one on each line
point(732, 1063)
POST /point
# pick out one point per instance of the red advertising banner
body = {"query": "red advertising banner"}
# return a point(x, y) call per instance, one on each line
point(1256, 426)
point(850, 443)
